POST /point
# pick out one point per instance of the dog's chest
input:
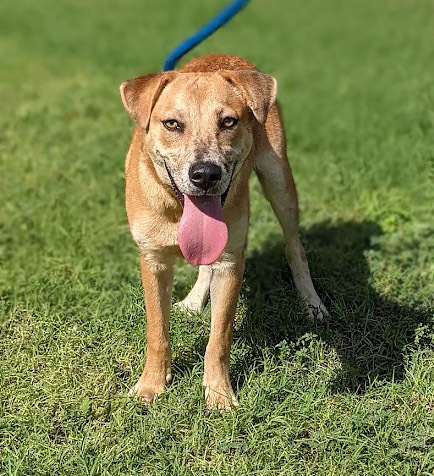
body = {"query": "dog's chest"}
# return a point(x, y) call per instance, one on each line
point(151, 234)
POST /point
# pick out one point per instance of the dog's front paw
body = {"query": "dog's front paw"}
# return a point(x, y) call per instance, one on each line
point(221, 397)
point(316, 311)
point(148, 387)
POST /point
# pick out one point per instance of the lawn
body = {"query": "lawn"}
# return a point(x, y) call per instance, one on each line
point(350, 396)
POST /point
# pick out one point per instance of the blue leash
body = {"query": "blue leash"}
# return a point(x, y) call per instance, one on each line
point(219, 20)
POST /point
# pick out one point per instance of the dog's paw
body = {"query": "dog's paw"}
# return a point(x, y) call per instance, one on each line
point(144, 394)
point(221, 398)
point(317, 311)
point(191, 305)
point(148, 388)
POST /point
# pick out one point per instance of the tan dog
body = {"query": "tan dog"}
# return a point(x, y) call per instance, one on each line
point(199, 134)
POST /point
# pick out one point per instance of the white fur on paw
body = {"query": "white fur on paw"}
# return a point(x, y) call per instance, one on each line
point(317, 312)
point(189, 305)
point(222, 400)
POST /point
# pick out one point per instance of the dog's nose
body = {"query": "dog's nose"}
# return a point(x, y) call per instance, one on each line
point(205, 174)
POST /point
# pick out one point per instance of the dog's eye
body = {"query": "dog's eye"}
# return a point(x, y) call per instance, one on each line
point(172, 125)
point(228, 122)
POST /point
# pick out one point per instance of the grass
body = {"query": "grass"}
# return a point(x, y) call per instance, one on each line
point(354, 395)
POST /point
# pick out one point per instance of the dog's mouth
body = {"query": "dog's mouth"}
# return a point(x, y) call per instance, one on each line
point(202, 231)
point(175, 188)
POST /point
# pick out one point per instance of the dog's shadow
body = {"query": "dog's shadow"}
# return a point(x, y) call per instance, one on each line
point(369, 332)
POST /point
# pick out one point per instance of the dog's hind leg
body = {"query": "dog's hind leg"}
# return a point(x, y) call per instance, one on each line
point(198, 296)
point(274, 173)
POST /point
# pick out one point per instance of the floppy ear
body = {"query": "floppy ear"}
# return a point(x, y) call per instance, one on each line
point(139, 95)
point(258, 89)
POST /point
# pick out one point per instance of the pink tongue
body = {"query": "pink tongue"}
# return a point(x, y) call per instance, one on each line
point(202, 233)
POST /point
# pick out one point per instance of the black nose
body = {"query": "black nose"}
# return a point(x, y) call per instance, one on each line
point(205, 174)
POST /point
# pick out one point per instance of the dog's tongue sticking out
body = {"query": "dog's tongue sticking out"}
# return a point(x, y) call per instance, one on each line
point(202, 233)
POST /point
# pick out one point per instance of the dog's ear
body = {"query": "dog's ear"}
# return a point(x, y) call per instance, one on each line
point(139, 95)
point(258, 90)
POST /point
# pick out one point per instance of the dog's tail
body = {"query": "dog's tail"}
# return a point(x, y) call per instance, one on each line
point(219, 20)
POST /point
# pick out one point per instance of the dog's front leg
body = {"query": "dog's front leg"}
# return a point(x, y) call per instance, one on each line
point(226, 282)
point(157, 279)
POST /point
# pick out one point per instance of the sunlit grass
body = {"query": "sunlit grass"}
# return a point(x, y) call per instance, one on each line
point(354, 395)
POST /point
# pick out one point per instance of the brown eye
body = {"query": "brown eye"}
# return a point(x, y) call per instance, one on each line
point(228, 122)
point(172, 125)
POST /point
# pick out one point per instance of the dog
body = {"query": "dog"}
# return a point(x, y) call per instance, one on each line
point(199, 133)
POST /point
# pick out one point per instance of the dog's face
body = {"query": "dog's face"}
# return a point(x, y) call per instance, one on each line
point(200, 129)
point(199, 126)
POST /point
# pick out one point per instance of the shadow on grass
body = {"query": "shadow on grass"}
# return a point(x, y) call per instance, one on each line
point(369, 332)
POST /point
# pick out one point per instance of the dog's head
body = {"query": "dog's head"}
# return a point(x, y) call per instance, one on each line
point(199, 126)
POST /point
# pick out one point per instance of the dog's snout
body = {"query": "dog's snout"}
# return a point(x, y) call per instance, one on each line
point(205, 174)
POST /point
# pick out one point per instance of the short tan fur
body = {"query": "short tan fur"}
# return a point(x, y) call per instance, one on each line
point(203, 92)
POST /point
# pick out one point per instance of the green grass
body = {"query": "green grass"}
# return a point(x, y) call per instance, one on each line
point(354, 395)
